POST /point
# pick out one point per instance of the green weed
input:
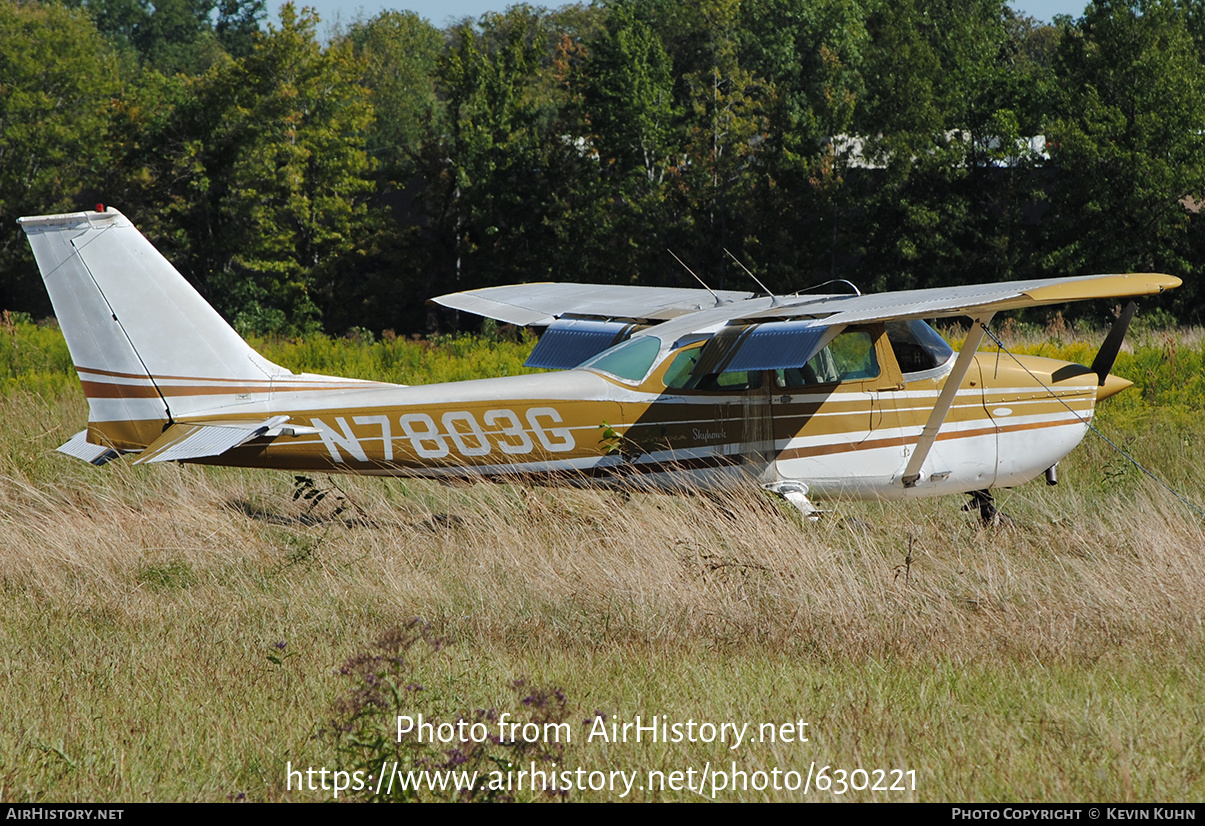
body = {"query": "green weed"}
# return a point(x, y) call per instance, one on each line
point(390, 723)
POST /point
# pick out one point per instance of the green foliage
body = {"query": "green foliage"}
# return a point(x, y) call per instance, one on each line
point(299, 181)
point(253, 176)
point(238, 24)
point(727, 112)
point(398, 54)
point(117, 20)
point(57, 79)
point(949, 108)
point(1132, 127)
point(628, 91)
point(177, 36)
point(34, 359)
point(1168, 375)
point(812, 52)
point(508, 166)
point(302, 185)
point(173, 575)
point(402, 361)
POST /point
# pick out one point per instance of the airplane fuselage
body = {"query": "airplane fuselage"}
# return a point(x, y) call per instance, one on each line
point(849, 439)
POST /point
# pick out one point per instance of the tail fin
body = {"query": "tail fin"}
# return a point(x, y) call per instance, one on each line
point(148, 348)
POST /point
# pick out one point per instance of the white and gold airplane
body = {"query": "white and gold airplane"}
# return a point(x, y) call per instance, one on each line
point(667, 389)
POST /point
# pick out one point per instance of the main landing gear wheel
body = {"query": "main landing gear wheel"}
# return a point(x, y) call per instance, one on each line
point(989, 514)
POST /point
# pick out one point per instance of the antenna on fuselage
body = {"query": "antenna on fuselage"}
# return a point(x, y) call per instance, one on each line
point(751, 275)
point(718, 301)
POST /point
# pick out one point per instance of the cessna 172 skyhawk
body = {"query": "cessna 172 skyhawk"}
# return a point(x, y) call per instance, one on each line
point(670, 389)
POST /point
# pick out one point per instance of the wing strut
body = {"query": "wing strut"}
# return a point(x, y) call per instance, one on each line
point(940, 410)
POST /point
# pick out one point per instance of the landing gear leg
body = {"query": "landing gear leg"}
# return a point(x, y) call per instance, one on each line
point(797, 494)
point(985, 503)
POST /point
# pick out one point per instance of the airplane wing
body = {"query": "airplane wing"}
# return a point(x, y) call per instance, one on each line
point(582, 318)
point(775, 337)
point(540, 304)
point(974, 299)
point(543, 304)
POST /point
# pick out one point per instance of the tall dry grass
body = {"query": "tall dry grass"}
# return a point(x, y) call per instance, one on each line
point(734, 568)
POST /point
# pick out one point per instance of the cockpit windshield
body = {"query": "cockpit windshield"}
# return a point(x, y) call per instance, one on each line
point(917, 346)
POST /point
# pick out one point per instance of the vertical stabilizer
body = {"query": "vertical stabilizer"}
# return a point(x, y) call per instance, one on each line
point(147, 346)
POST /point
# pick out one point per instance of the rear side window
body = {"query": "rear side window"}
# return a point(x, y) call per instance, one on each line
point(630, 360)
point(678, 373)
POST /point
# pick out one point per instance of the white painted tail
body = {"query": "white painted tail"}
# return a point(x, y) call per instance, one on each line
point(148, 348)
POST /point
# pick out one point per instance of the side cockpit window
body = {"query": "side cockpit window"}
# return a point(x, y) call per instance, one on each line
point(849, 357)
point(680, 375)
point(917, 346)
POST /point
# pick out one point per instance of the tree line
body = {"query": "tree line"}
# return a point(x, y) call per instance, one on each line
point(305, 185)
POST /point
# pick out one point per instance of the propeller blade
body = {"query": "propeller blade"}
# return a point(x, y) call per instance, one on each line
point(1103, 363)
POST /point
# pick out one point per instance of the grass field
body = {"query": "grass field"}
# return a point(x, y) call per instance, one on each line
point(186, 633)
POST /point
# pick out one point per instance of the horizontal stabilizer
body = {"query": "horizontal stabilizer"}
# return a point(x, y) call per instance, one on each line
point(184, 441)
point(79, 447)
